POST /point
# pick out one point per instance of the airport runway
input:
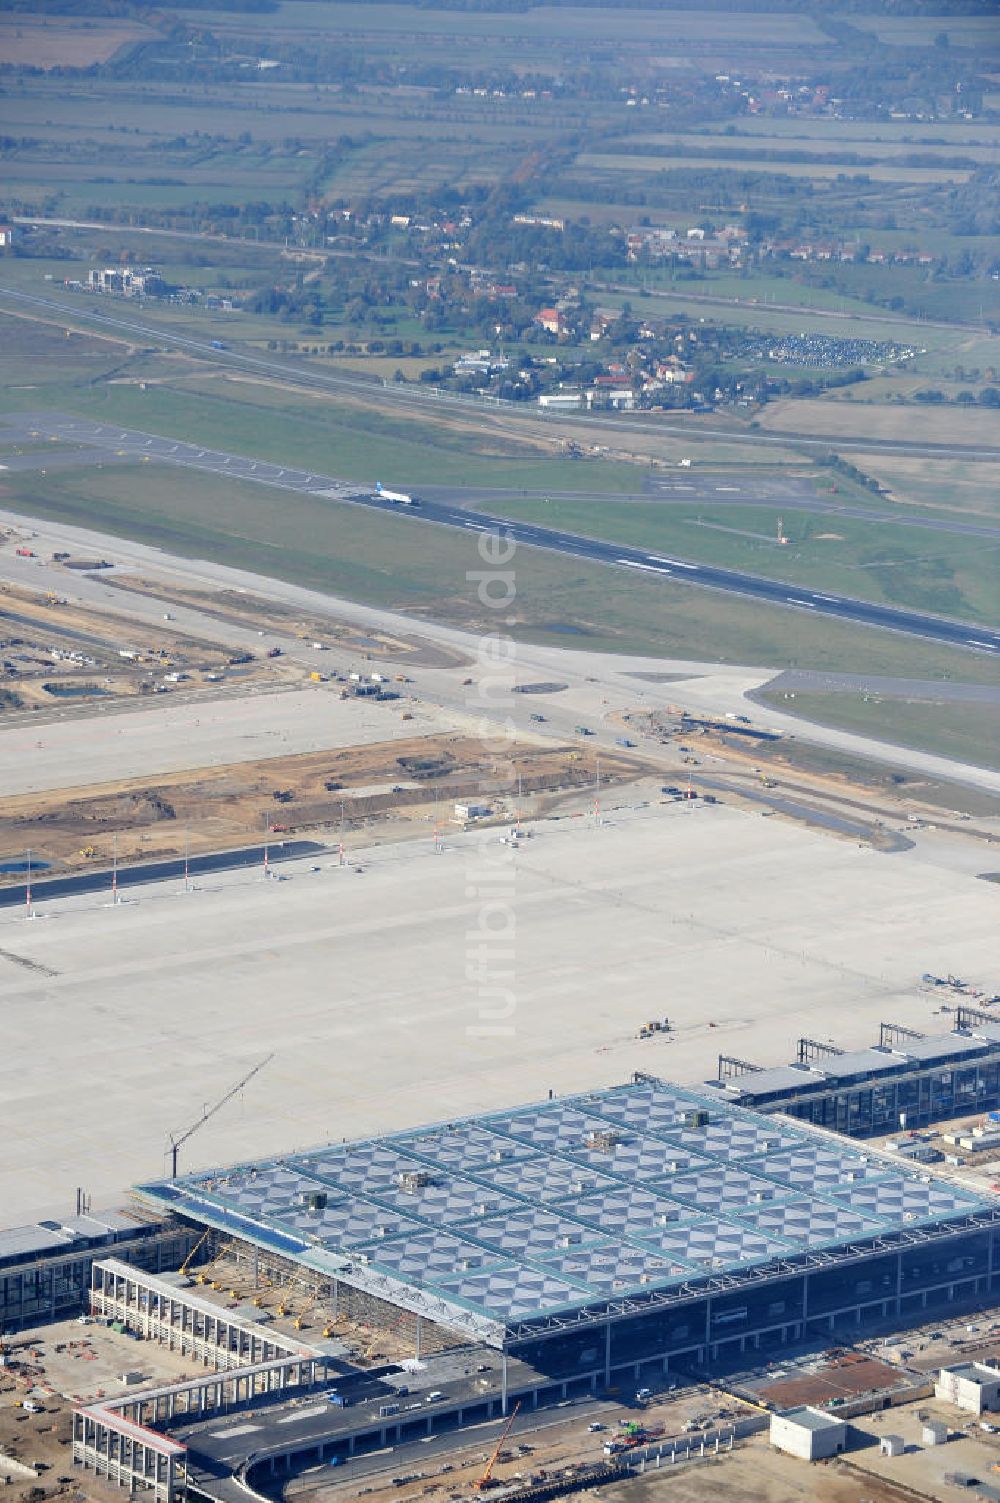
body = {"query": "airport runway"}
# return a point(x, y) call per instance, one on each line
point(153, 447)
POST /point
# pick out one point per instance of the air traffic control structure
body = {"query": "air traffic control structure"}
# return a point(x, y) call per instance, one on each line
point(593, 1234)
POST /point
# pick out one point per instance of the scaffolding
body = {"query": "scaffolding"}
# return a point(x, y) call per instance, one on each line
point(810, 1049)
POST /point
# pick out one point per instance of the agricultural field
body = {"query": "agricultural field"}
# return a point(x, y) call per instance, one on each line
point(45, 42)
point(974, 32)
point(615, 164)
point(859, 420)
point(961, 486)
point(343, 186)
point(570, 25)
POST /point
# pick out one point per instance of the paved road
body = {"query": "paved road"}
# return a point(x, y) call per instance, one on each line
point(86, 308)
point(597, 680)
point(790, 497)
point(44, 889)
point(654, 566)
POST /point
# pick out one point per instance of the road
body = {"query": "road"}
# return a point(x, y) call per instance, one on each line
point(44, 889)
point(630, 289)
point(87, 309)
point(148, 446)
point(697, 490)
point(596, 681)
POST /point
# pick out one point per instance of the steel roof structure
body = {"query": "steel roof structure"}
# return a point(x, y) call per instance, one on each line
point(576, 1210)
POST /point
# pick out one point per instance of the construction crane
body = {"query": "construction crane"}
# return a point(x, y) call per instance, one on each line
point(486, 1480)
point(202, 1276)
point(187, 1261)
point(210, 1111)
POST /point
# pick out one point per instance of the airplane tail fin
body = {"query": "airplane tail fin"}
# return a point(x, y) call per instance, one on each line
point(378, 487)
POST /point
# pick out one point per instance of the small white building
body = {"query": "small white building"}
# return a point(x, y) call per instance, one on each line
point(892, 1445)
point(472, 811)
point(933, 1433)
point(561, 401)
point(811, 1434)
point(969, 1385)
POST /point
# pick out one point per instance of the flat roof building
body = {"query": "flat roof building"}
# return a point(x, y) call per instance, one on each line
point(810, 1434)
point(906, 1080)
point(595, 1232)
point(45, 1267)
point(969, 1385)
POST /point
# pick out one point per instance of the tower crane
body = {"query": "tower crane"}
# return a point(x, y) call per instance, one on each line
point(210, 1111)
point(486, 1480)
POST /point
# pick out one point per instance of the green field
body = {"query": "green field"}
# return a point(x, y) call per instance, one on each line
point(340, 439)
point(948, 575)
point(572, 25)
point(404, 563)
point(964, 732)
point(784, 146)
point(616, 163)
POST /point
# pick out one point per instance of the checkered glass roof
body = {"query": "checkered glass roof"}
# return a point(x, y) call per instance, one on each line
point(559, 1206)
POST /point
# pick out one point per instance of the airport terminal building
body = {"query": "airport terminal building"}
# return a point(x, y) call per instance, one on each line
point(906, 1080)
point(641, 1225)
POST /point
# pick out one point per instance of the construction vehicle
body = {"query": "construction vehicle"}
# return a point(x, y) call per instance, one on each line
point(188, 1260)
point(285, 1299)
point(203, 1276)
point(486, 1480)
point(307, 1309)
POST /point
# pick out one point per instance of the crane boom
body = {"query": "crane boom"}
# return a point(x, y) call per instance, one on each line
point(210, 1111)
point(487, 1477)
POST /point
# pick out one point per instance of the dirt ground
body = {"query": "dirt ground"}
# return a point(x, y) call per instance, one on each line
point(861, 420)
point(58, 1366)
point(54, 655)
point(416, 782)
point(240, 608)
point(33, 42)
point(844, 1376)
point(754, 1473)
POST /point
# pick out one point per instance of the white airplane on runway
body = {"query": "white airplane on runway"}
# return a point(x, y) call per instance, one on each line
point(399, 496)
